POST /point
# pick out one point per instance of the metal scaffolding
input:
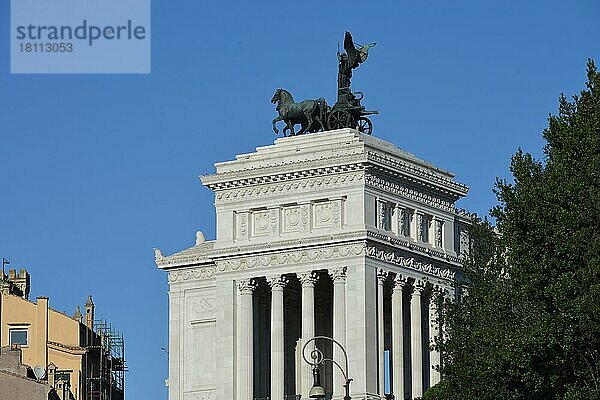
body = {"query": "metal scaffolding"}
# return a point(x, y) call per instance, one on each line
point(105, 364)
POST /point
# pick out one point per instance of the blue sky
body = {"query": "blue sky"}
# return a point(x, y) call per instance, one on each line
point(96, 170)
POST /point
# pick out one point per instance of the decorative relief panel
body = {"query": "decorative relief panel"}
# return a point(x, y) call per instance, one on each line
point(200, 308)
point(242, 222)
point(261, 223)
point(274, 221)
point(305, 216)
point(292, 219)
point(201, 395)
point(328, 214)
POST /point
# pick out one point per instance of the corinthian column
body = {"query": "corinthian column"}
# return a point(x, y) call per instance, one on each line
point(381, 277)
point(245, 359)
point(416, 338)
point(339, 325)
point(308, 280)
point(434, 331)
point(398, 337)
point(277, 284)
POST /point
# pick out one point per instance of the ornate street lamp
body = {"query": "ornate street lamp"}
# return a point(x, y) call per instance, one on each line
point(316, 359)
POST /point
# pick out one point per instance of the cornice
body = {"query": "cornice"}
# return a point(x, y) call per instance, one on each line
point(409, 170)
point(388, 185)
point(177, 260)
point(415, 247)
point(279, 172)
point(188, 258)
point(63, 347)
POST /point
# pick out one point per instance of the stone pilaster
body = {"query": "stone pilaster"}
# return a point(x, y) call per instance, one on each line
point(381, 277)
point(277, 284)
point(439, 233)
point(418, 226)
point(339, 325)
point(175, 345)
point(308, 280)
point(245, 341)
point(416, 338)
point(398, 337)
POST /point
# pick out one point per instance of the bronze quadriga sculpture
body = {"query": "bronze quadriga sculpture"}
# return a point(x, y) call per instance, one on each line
point(316, 115)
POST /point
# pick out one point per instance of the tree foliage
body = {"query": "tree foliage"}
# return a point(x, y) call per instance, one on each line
point(529, 327)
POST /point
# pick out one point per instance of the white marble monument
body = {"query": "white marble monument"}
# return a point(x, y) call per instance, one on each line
point(333, 233)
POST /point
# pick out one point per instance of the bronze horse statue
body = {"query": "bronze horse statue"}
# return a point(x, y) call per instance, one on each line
point(310, 114)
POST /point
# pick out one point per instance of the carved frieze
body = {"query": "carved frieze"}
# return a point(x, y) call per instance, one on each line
point(192, 274)
point(288, 188)
point(290, 257)
point(393, 257)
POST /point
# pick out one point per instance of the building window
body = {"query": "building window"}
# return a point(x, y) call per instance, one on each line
point(19, 336)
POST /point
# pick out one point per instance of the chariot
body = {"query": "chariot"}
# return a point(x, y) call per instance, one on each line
point(347, 112)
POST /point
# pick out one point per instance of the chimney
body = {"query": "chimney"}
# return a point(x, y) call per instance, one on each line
point(41, 331)
point(89, 312)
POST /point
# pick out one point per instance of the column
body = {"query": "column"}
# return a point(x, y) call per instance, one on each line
point(381, 277)
point(277, 284)
point(416, 338)
point(339, 327)
point(245, 343)
point(308, 280)
point(434, 331)
point(398, 337)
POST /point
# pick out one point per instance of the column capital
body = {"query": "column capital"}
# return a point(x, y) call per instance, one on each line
point(277, 282)
point(338, 274)
point(382, 275)
point(308, 278)
point(399, 282)
point(419, 286)
point(246, 286)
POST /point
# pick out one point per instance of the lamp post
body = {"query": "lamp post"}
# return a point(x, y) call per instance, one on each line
point(317, 358)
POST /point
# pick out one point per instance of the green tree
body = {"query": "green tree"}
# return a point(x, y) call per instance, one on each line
point(529, 327)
